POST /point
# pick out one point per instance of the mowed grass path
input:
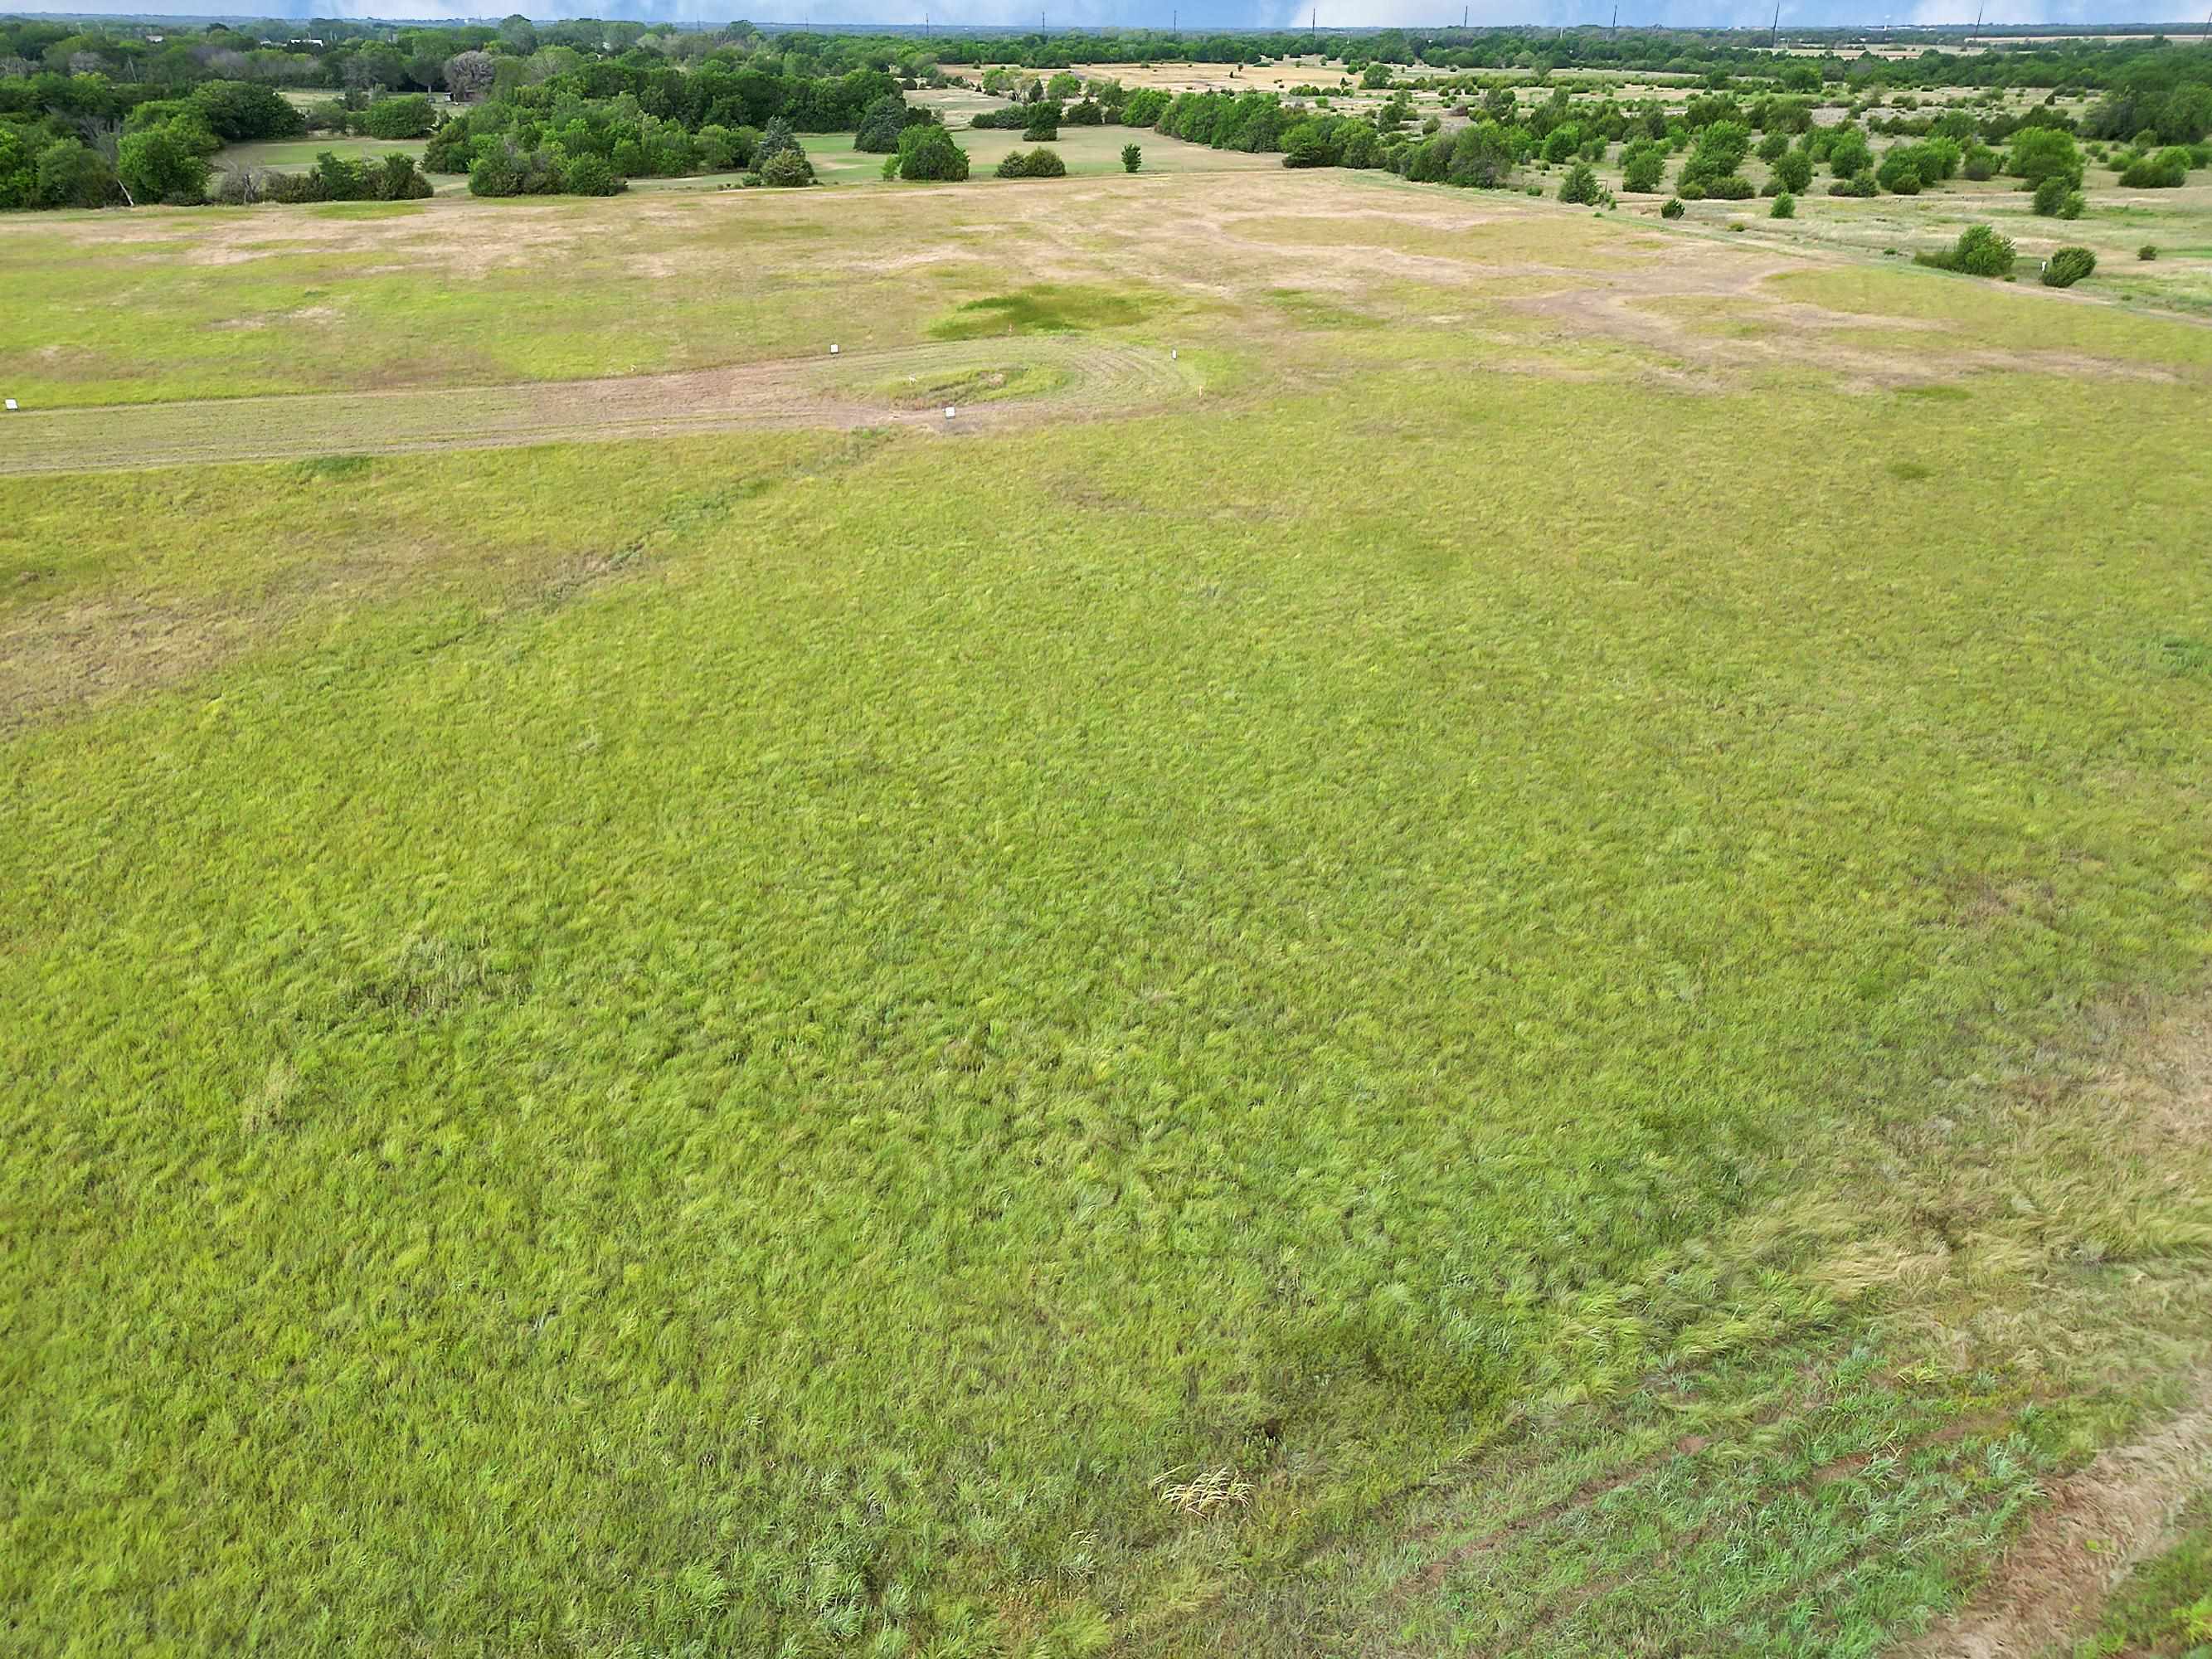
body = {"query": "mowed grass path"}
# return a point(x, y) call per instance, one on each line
point(746, 1044)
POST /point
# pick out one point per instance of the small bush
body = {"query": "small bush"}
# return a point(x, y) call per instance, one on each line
point(1859, 184)
point(2148, 250)
point(1132, 158)
point(1671, 209)
point(1039, 163)
point(2051, 195)
point(1785, 207)
point(2168, 170)
point(881, 124)
point(1900, 172)
point(1580, 186)
point(2068, 266)
point(787, 168)
point(1979, 252)
point(1730, 187)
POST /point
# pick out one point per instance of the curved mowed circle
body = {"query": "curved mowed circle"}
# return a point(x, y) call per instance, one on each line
point(1084, 376)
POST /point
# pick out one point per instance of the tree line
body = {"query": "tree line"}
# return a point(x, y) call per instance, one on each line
point(135, 113)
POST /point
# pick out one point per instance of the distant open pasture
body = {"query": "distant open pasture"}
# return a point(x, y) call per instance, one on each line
point(297, 154)
point(1084, 149)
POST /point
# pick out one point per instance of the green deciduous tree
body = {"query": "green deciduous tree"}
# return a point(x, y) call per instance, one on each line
point(1580, 186)
point(2168, 170)
point(2041, 153)
point(881, 123)
point(1794, 172)
point(19, 174)
point(470, 74)
point(590, 174)
point(1899, 172)
point(928, 153)
point(406, 117)
point(158, 165)
point(70, 175)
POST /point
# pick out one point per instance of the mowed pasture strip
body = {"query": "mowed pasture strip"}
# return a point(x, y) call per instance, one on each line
point(1100, 377)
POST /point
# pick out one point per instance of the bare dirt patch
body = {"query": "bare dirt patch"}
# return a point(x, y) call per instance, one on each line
point(2099, 1523)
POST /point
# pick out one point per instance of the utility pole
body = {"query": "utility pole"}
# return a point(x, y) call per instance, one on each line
point(1613, 34)
point(1774, 34)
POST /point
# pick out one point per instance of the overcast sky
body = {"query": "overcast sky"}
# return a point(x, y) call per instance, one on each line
point(1200, 14)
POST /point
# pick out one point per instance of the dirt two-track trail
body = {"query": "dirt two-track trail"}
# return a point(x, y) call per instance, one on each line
point(890, 387)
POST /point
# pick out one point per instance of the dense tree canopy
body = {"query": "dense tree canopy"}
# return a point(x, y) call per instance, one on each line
point(648, 100)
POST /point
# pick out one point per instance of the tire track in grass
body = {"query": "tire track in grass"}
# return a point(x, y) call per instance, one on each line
point(854, 389)
point(2053, 1580)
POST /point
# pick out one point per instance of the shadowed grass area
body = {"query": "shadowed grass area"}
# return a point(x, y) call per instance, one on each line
point(1045, 308)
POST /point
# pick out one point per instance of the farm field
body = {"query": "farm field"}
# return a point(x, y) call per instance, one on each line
point(1469, 927)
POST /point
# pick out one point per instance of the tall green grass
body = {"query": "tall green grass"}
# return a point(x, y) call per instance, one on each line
point(755, 1079)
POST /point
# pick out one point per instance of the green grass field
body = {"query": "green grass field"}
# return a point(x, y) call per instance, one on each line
point(298, 155)
point(1083, 149)
point(1520, 975)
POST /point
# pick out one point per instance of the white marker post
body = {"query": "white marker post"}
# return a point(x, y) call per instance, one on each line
point(833, 351)
point(948, 411)
point(11, 406)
